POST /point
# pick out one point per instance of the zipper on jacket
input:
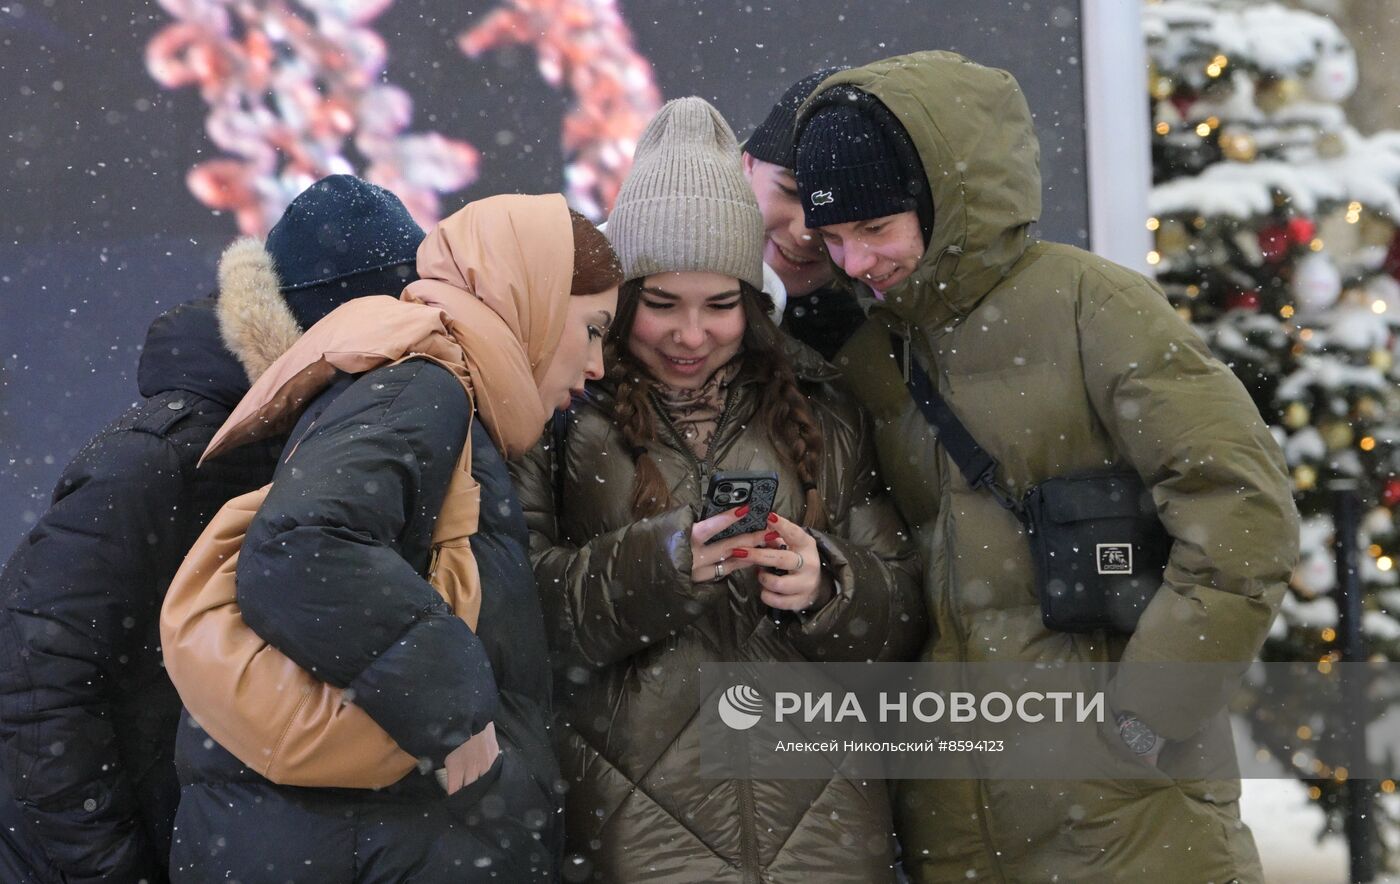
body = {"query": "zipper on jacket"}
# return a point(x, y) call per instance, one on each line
point(905, 363)
point(702, 468)
point(960, 634)
point(748, 834)
point(719, 425)
point(748, 822)
point(433, 561)
point(748, 825)
point(660, 409)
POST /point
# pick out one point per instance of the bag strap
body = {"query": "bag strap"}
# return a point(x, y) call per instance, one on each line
point(977, 466)
point(559, 426)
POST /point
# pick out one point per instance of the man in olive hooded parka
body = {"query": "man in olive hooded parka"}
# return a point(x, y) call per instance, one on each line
point(1057, 361)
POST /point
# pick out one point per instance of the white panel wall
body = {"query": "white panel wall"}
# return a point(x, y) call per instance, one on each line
point(1118, 122)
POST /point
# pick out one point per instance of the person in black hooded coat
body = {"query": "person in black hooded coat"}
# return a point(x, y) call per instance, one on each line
point(88, 716)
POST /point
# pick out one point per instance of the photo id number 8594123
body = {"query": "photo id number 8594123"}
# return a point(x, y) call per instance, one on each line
point(971, 746)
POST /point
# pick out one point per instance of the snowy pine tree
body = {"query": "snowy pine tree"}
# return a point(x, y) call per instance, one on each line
point(1275, 227)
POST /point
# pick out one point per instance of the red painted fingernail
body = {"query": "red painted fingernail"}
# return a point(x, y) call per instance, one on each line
point(771, 535)
point(772, 518)
point(740, 554)
point(742, 511)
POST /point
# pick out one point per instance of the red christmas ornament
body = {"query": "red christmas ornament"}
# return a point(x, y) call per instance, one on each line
point(1390, 496)
point(1301, 230)
point(1274, 242)
point(1392, 257)
point(1242, 300)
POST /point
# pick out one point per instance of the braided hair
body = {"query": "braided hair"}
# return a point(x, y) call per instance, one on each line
point(783, 408)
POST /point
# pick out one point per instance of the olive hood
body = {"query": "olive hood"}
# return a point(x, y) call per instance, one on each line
point(972, 129)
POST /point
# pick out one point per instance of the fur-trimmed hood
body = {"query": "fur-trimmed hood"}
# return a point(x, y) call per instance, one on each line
point(255, 322)
point(217, 346)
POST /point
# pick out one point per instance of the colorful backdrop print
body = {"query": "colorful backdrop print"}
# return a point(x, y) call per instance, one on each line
point(297, 90)
point(586, 46)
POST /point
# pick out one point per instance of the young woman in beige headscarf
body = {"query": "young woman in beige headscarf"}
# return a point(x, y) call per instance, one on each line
point(386, 626)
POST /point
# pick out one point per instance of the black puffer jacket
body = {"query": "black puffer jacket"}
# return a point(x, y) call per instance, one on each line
point(87, 714)
point(332, 574)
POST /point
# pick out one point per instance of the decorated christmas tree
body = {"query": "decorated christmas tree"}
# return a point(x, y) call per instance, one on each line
point(1275, 227)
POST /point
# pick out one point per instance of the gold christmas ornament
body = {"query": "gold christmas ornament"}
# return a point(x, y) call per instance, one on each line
point(1304, 477)
point(1339, 237)
point(1278, 94)
point(1166, 116)
point(1247, 241)
point(1355, 297)
point(1375, 230)
point(1368, 407)
point(1172, 237)
point(1337, 435)
point(1296, 416)
point(1330, 145)
point(1239, 146)
point(1382, 360)
point(1184, 312)
point(1162, 85)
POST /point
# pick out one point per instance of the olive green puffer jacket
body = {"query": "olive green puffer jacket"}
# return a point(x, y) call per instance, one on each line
point(628, 629)
point(1058, 361)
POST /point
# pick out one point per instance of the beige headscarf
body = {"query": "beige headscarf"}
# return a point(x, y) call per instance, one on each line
point(502, 250)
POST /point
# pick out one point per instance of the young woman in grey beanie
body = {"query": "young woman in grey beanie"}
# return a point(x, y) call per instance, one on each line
point(698, 380)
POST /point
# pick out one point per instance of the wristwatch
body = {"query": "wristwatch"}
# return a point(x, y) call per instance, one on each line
point(1140, 738)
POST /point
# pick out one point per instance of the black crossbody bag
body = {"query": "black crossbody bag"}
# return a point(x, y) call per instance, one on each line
point(1099, 548)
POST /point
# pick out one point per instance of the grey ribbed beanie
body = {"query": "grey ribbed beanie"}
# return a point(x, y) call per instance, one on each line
point(686, 205)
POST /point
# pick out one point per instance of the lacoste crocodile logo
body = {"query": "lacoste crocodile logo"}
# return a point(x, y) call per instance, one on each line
point(822, 198)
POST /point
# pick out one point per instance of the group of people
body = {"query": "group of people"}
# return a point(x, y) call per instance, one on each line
point(421, 628)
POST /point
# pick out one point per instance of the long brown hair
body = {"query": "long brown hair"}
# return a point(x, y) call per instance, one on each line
point(782, 407)
point(596, 268)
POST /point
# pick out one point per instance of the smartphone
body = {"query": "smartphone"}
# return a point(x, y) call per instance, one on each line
point(731, 488)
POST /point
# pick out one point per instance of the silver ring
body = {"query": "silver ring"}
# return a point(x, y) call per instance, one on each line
point(800, 562)
point(719, 570)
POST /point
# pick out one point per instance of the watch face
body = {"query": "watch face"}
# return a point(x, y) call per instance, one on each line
point(1139, 737)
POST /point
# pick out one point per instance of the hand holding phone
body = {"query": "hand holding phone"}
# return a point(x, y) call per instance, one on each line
point(790, 575)
point(712, 562)
point(756, 489)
